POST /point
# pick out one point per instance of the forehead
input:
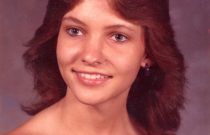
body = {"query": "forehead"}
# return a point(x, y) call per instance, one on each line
point(97, 11)
point(89, 7)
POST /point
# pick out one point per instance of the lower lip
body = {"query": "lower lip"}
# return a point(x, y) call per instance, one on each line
point(91, 82)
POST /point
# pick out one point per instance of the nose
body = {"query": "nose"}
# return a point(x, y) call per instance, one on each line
point(93, 52)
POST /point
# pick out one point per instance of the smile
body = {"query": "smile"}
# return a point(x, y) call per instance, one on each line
point(92, 76)
point(91, 79)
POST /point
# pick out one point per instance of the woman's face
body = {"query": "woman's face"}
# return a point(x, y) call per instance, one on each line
point(99, 54)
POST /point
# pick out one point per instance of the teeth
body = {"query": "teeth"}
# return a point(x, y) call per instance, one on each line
point(92, 76)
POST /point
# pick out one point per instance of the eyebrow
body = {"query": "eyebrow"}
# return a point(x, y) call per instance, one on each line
point(119, 26)
point(74, 20)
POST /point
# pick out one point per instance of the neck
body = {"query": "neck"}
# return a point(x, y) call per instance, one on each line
point(108, 118)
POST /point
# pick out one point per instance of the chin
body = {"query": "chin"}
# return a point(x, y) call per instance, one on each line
point(93, 93)
point(92, 99)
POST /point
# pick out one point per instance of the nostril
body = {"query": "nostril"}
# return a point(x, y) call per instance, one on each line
point(92, 62)
point(92, 57)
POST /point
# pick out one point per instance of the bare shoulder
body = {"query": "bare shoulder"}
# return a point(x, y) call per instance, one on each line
point(29, 128)
point(32, 127)
point(37, 125)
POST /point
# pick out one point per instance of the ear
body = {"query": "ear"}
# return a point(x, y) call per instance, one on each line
point(145, 62)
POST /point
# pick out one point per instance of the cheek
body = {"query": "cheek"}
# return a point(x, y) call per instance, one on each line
point(129, 62)
point(128, 68)
point(67, 52)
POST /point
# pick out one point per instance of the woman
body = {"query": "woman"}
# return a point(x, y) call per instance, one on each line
point(105, 67)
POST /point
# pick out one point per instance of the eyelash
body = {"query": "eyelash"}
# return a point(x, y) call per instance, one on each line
point(119, 35)
point(71, 31)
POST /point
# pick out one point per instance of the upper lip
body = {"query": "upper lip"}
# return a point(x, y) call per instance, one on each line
point(91, 72)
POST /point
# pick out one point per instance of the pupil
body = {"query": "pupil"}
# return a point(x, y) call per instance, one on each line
point(119, 37)
point(74, 30)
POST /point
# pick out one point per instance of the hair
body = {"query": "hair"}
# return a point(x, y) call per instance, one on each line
point(154, 100)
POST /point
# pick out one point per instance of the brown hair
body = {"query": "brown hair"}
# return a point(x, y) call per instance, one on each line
point(154, 100)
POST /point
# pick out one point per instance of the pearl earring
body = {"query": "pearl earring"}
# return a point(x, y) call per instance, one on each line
point(147, 71)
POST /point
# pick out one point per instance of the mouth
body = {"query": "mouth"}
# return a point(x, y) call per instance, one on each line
point(91, 78)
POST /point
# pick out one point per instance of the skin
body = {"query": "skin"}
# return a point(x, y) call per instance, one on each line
point(93, 39)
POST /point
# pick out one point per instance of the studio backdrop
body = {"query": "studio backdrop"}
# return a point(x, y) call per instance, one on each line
point(20, 18)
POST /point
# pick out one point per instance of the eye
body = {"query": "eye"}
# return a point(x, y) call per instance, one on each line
point(119, 37)
point(74, 32)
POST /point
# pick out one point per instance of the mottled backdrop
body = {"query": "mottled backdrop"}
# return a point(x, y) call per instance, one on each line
point(191, 21)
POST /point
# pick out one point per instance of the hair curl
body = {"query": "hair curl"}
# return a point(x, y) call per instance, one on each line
point(154, 101)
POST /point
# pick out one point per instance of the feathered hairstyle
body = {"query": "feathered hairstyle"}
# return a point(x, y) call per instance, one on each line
point(154, 101)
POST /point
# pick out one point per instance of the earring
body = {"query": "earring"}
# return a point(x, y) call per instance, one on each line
point(147, 71)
